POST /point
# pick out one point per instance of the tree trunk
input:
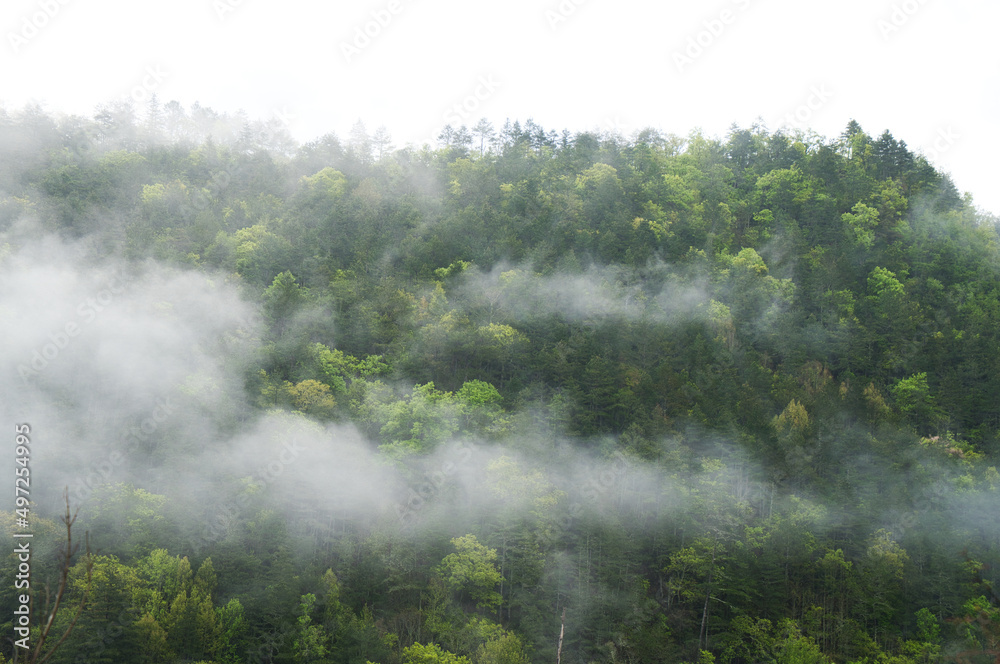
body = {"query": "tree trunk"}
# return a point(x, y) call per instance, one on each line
point(562, 630)
point(703, 636)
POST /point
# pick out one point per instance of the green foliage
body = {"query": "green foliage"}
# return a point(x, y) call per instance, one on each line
point(430, 653)
point(506, 649)
point(283, 297)
point(427, 418)
point(310, 397)
point(862, 222)
point(130, 517)
point(471, 571)
point(790, 647)
point(310, 640)
point(979, 626)
point(328, 184)
point(233, 628)
point(792, 423)
point(338, 367)
point(928, 629)
point(745, 389)
point(882, 284)
point(258, 253)
point(914, 400)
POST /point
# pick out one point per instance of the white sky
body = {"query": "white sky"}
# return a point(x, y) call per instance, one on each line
point(924, 69)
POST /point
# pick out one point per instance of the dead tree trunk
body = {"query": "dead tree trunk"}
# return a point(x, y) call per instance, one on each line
point(562, 630)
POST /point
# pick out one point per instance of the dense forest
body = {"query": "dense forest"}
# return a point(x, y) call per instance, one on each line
point(521, 396)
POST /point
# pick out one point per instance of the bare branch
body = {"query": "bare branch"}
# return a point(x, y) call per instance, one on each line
point(69, 519)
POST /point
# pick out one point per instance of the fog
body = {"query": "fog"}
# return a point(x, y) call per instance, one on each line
point(656, 293)
point(143, 381)
point(135, 373)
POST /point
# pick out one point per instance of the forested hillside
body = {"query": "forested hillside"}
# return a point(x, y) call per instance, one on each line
point(521, 395)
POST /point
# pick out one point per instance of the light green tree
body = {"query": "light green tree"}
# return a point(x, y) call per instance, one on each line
point(862, 221)
point(310, 642)
point(430, 653)
point(471, 572)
